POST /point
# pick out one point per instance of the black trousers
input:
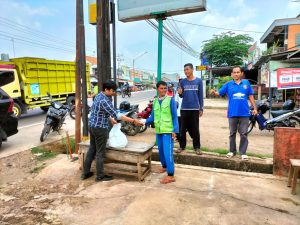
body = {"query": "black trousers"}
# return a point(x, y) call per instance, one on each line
point(98, 139)
point(179, 124)
point(190, 123)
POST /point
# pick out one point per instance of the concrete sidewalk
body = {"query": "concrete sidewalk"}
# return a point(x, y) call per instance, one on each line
point(199, 196)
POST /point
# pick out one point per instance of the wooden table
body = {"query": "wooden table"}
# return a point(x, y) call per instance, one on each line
point(293, 174)
point(134, 159)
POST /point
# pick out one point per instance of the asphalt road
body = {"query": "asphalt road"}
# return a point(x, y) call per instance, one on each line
point(31, 125)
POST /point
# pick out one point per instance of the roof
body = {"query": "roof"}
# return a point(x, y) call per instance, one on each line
point(277, 27)
point(91, 60)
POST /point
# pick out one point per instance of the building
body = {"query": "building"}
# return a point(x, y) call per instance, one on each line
point(170, 77)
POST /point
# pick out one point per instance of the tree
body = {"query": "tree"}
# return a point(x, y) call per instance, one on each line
point(227, 49)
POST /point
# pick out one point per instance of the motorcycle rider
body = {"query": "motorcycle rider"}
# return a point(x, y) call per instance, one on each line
point(127, 87)
point(238, 91)
point(102, 111)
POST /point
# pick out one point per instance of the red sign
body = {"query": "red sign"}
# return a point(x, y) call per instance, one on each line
point(288, 78)
point(7, 66)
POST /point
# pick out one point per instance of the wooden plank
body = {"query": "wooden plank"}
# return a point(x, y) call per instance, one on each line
point(295, 162)
point(291, 173)
point(294, 181)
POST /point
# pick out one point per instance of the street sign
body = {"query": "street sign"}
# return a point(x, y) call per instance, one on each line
point(133, 10)
point(199, 68)
point(92, 11)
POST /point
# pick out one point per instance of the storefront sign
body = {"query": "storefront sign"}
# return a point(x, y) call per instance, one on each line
point(288, 78)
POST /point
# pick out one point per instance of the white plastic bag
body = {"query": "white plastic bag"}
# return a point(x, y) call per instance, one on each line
point(117, 139)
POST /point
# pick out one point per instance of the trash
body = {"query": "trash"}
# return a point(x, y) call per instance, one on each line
point(117, 139)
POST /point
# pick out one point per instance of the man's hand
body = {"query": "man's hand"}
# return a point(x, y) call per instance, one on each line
point(254, 112)
point(212, 92)
point(113, 121)
point(200, 113)
point(173, 135)
point(138, 123)
point(179, 91)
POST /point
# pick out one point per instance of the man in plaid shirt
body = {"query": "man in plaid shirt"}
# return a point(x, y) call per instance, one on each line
point(102, 113)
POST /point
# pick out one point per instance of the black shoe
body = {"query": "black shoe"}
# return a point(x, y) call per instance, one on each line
point(104, 178)
point(86, 176)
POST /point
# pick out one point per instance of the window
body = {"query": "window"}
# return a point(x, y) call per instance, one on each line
point(6, 77)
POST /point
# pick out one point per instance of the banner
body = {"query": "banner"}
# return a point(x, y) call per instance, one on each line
point(288, 78)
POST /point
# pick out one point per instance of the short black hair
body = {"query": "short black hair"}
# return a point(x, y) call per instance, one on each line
point(161, 83)
point(241, 68)
point(109, 84)
point(189, 65)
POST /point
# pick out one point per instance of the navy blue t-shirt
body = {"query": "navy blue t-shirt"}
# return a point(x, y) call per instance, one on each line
point(237, 97)
point(192, 96)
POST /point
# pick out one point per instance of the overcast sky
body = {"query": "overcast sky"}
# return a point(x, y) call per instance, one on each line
point(56, 20)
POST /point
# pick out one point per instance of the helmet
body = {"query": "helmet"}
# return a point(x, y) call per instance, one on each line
point(125, 105)
point(288, 105)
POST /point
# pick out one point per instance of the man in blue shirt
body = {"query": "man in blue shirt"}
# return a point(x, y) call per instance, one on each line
point(238, 91)
point(191, 91)
point(102, 113)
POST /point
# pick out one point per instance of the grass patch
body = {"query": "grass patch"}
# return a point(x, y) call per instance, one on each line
point(222, 151)
point(72, 143)
point(43, 154)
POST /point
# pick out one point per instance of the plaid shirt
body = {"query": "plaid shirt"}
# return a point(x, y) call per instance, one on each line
point(102, 109)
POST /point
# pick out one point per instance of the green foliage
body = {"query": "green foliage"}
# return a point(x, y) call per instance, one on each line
point(227, 49)
point(43, 154)
point(222, 81)
point(72, 143)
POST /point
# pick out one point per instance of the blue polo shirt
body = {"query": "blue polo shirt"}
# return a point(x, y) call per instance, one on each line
point(237, 97)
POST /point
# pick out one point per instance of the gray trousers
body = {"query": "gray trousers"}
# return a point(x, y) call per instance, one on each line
point(98, 139)
point(239, 124)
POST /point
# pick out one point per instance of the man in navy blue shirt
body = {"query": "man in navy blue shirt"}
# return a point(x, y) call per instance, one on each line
point(102, 113)
point(191, 91)
point(238, 91)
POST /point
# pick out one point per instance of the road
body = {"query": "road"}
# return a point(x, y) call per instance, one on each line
point(31, 125)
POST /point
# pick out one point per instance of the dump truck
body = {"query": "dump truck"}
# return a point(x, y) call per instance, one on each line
point(35, 77)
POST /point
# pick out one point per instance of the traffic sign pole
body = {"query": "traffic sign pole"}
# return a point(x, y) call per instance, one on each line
point(159, 58)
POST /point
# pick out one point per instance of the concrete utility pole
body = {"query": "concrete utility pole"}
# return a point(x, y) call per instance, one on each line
point(103, 42)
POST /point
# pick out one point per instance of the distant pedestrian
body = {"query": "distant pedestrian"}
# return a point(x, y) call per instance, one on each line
point(171, 91)
point(191, 91)
point(297, 98)
point(238, 91)
point(164, 116)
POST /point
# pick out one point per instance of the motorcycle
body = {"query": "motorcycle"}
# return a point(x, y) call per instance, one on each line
point(288, 106)
point(145, 115)
point(125, 91)
point(55, 118)
point(288, 119)
point(130, 111)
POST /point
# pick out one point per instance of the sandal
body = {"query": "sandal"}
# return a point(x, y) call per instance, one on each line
point(167, 179)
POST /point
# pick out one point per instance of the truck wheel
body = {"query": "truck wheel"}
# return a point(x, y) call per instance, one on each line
point(17, 110)
point(71, 100)
point(45, 108)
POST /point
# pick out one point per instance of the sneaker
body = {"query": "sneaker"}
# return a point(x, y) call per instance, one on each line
point(245, 157)
point(86, 176)
point(230, 155)
point(104, 178)
point(179, 150)
point(198, 152)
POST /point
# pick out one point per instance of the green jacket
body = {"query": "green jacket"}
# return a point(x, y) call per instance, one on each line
point(163, 116)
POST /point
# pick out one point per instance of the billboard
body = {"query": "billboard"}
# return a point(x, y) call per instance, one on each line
point(133, 10)
point(288, 78)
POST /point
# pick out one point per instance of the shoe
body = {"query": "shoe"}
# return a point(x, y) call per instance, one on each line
point(230, 155)
point(198, 151)
point(104, 178)
point(167, 179)
point(86, 176)
point(179, 150)
point(162, 170)
point(245, 157)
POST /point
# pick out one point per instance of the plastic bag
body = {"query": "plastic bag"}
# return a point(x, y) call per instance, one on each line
point(117, 139)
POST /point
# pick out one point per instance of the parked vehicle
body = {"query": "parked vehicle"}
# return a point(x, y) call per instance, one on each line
point(8, 121)
point(145, 115)
point(55, 118)
point(125, 91)
point(131, 111)
point(288, 119)
point(34, 77)
point(288, 106)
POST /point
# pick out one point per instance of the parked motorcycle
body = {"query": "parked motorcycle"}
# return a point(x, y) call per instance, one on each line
point(55, 118)
point(125, 92)
point(145, 114)
point(130, 111)
point(288, 106)
point(288, 119)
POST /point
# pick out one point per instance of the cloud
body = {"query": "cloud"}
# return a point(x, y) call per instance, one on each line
point(30, 11)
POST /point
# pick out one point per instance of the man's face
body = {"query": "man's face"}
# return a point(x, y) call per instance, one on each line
point(162, 90)
point(110, 92)
point(236, 73)
point(188, 71)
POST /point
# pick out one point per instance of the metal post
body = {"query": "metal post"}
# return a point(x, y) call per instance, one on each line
point(82, 61)
point(99, 31)
point(78, 80)
point(113, 18)
point(160, 37)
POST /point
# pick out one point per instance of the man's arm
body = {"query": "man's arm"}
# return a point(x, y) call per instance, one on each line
point(151, 117)
point(200, 97)
point(174, 118)
point(252, 101)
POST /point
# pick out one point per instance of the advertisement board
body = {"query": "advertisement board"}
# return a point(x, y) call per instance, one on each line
point(288, 78)
point(133, 10)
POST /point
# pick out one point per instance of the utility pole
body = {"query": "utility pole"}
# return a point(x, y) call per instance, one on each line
point(13, 44)
point(113, 20)
point(78, 79)
point(103, 42)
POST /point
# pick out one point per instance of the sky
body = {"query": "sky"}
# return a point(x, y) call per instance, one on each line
point(50, 24)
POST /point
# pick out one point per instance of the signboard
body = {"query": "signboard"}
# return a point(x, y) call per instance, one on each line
point(199, 68)
point(92, 11)
point(288, 78)
point(134, 10)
